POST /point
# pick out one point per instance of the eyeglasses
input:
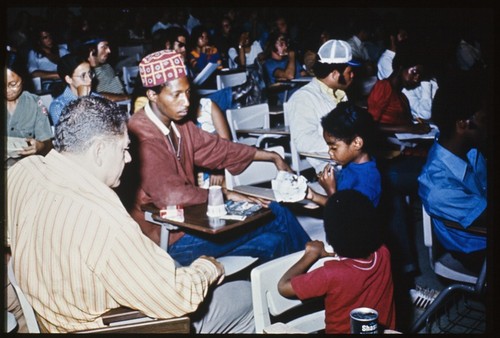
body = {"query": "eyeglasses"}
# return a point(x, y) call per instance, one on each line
point(89, 75)
point(180, 44)
point(14, 85)
point(43, 37)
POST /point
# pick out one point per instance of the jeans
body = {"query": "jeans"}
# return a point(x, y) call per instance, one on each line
point(282, 236)
point(400, 180)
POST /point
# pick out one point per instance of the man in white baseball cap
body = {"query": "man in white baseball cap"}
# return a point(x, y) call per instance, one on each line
point(305, 108)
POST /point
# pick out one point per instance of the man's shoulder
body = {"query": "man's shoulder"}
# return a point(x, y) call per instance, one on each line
point(309, 91)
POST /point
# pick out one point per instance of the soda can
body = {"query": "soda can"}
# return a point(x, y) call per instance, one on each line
point(364, 321)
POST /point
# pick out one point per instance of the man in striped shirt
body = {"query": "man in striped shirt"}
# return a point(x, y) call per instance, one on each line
point(77, 253)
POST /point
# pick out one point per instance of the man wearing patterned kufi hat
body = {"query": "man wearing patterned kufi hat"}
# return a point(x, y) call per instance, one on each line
point(170, 146)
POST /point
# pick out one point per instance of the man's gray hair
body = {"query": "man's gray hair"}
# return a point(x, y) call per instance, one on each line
point(85, 119)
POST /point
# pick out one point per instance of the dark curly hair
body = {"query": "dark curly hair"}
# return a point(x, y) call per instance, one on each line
point(346, 121)
point(351, 224)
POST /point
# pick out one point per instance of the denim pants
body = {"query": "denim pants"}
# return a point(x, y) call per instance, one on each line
point(281, 236)
point(401, 179)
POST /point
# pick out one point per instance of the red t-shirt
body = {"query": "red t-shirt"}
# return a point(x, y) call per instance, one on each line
point(388, 106)
point(348, 284)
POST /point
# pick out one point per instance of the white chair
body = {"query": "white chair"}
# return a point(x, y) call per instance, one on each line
point(250, 117)
point(129, 76)
point(29, 314)
point(268, 302)
point(257, 172)
point(445, 265)
point(298, 163)
point(231, 79)
point(459, 308)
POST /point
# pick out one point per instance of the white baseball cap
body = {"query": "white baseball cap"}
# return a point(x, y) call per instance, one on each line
point(336, 51)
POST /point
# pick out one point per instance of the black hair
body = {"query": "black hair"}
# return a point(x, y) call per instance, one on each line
point(351, 224)
point(408, 55)
point(196, 32)
point(346, 121)
point(321, 70)
point(170, 35)
point(457, 98)
point(271, 41)
point(14, 63)
point(68, 63)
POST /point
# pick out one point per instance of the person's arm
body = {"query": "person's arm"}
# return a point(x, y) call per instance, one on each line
point(413, 128)
point(36, 147)
point(140, 275)
point(314, 251)
point(45, 75)
point(220, 123)
point(222, 129)
point(115, 97)
point(271, 156)
point(315, 197)
point(289, 72)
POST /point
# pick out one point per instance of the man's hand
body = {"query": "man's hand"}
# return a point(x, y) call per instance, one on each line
point(218, 265)
point(216, 179)
point(237, 197)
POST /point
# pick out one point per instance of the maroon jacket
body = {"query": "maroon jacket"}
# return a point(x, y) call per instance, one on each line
point(165, 180)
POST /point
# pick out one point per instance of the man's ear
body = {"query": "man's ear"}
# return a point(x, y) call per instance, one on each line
point(151, 94)
point(97, 152)
point(334, 75)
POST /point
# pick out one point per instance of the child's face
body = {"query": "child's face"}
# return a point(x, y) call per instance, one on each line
point(341, 152)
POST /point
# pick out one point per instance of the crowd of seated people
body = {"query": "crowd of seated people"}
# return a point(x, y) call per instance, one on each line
point(76, 58)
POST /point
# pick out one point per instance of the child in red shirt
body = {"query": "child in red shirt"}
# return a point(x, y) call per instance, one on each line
point(358, 276)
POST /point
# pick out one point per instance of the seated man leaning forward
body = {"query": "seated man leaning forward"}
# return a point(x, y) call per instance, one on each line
point(77, 252)
point(170, 146)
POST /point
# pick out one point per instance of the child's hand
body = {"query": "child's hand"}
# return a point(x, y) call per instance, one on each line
point(317, 249)
point(326, 179)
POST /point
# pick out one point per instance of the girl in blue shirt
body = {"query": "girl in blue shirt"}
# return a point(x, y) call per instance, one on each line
point(352, 136)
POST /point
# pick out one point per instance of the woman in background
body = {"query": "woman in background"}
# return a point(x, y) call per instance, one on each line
point(27, 117)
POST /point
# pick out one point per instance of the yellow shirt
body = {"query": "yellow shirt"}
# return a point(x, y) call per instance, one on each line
point(77, 252)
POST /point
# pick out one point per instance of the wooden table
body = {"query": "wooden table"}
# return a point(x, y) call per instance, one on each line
point(195, 218)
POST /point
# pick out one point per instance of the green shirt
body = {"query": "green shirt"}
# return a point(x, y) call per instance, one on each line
point(29, 119)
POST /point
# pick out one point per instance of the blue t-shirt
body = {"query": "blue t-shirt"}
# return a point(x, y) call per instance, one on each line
point(363, 177)
point(454, 190)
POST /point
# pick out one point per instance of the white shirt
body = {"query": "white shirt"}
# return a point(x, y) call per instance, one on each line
point(304, 111)
point(384, 64)
point(420, 99)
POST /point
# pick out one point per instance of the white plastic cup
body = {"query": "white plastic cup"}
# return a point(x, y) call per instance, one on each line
point(215, 207)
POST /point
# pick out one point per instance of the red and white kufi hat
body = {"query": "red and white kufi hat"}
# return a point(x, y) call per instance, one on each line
point(160, 67)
